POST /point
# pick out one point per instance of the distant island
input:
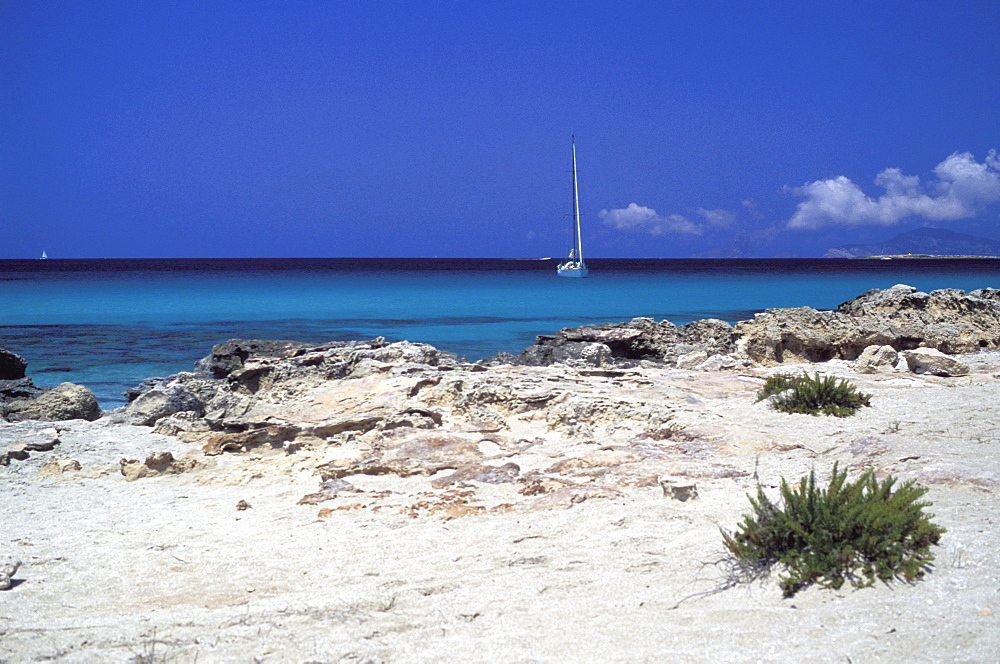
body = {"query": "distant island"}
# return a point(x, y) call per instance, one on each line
point(922, 243)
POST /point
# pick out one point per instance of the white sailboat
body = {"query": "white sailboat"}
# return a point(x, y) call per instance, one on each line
point(44, 255)
point(574, 265)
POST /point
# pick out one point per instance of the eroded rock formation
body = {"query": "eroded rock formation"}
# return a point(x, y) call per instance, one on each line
point(624, 344)
point(249, 394)
point(408, 410)
point(67, 401)
point(21, 400)
point(14, 383)
point(900, 317)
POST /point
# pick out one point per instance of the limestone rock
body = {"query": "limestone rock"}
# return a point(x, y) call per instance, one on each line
point(8, 567)
point(902, 317)
point(476, 472)
point(146, 385)
point(181, 422)
point(485, 420)
point(567, 496)
point(484, 396)
point(888, 300)
point(67, 401)
point(992, 294)
point(36, 439)
point(407, 453)
point(929, 360)
point(58, 465)
point(159, 402)
point(12, 365)
point(288, 393)
point(7, 455)
point(877, 359)
point(691, 360)
point(231, 355)
point(594, 463)
point(718, 363)
point(623, 344)
point(160, 463)
point(803, 334)
point(328, 491)
point(711, 334)
point(406, 352)
point(588, 354)
point(948, 319)
point(960, 473)
point(588, 417)
point(274, 435)
point(536, 484)
point(21, 388)
point(679, 490)
point(414, 418)
point(250, 366)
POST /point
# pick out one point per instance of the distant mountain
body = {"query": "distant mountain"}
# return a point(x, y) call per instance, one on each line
point(929, 241)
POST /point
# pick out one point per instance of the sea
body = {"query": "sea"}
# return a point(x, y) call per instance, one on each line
point(110, 323)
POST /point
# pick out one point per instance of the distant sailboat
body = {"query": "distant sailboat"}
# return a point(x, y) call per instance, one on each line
point(574, 265)
point(44, 255)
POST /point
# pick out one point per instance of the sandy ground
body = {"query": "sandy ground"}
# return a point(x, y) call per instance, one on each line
point(168, 569)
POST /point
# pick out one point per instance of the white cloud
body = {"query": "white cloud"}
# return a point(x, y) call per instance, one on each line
point(718, 218)
point(751, 208)
point(963, 187)
point(644, 219)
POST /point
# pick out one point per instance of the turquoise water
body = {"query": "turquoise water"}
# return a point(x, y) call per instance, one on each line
point(109, 324)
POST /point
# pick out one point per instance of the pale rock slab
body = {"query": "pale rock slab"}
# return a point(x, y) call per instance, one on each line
point(691, 360)
point(929, 360)
point(877, 359)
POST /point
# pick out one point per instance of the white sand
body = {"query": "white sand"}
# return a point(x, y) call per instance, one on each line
point(167, 569)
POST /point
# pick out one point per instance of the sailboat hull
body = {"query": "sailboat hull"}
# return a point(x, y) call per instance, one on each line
point(572, 272)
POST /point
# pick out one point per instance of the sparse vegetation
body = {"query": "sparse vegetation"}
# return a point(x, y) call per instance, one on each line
point(859, 532)
point(777, 384)
point(149, 653)
point(814, 395)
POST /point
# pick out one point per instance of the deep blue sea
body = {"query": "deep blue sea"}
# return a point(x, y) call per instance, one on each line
point(108, 324)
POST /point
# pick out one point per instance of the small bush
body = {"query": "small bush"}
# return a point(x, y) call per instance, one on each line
point(777, 384)
point(859, 531)
point(801, 394)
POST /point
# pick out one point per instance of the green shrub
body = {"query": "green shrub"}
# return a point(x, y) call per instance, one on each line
point(801, 394)
point(859, 531)
point(778, 383)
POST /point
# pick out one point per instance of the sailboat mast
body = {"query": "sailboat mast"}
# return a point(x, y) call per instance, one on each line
point(574, 265)
point(577, 242)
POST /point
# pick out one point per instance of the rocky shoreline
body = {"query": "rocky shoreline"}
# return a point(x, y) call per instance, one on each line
point(895, 328)
point(950, 321)
point(376, 501)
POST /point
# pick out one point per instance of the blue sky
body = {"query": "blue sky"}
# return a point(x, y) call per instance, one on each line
point(369, 128)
